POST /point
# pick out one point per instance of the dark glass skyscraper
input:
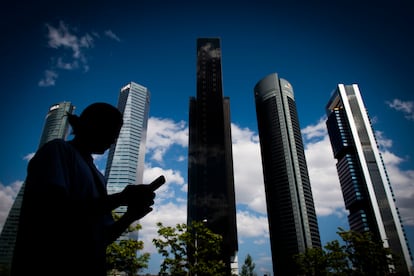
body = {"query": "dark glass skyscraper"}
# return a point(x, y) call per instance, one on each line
point(364, 181)
point(56, 127)
point(291, 213)
point(211, 197)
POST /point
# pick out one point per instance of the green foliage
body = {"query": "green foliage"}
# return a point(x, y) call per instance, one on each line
point(360, 254)
point(121, 255)
point(337, 259)
point(248, 267)
point(368, 256)
point(189, 250)
point(312, 262)
point(172, 247)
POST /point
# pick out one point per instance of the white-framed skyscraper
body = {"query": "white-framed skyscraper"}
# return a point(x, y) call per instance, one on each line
point(125, 163)
point(362, 174)
point(56, 127)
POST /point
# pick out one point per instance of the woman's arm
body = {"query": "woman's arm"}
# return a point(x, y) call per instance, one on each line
point(139, 199)
point(115, 230)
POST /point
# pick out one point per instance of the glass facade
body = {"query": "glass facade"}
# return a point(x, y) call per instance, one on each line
point(364, 182)
point(291, 212)
point(56, 127)
point(211, 196)
point(125, 163)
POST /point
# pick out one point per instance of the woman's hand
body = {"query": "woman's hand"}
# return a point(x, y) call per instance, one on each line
point(139, 199)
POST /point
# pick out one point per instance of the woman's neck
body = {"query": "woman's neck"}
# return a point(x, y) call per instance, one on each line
point(81, 147)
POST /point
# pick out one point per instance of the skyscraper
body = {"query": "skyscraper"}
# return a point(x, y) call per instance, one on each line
point(291, 213)
point(211, 197)
point(125, 163)
point(56, 127)
point(364, 181)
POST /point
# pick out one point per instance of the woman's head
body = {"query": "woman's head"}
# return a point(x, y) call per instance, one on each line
point(97, 127)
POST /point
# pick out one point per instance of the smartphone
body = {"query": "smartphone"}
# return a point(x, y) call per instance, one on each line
point(157, 183)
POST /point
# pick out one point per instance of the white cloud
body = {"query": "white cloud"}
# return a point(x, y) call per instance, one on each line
point(62, 36)
point(174, 180)
point(49, 79)
point(323, 176)
point(382, 141)
point(72, 65)
point(7, 195)
point(406, 107)
point(169, 208)
point(72, 48)
point(315, 131)
point(171, 176)
point(248, 174)
point(100, 161)
point(169, 214)
point(262, 264)
point(260, 242)
point(29, 156)
point(402, 183)
point(250, 225)
point(112, 35)
point(162, 135)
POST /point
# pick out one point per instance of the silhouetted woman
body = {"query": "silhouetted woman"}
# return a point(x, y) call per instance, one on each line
point(66, 222)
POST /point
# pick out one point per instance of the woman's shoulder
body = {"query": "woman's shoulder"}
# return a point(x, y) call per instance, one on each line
point(52, 153)
point(54, 148)
point(55, 144)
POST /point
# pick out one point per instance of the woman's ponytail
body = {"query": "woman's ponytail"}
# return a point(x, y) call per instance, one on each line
point(74, 122)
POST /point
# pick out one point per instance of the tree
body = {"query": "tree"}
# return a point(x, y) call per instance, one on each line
point(248, 267)
point(189, 250)
point(360, 254)
point(337, 259)
point(367, 255)
point(172, 246)
point(312, 262)
point(121, 255)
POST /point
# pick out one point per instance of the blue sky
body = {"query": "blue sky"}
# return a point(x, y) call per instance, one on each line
point(85, 52)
